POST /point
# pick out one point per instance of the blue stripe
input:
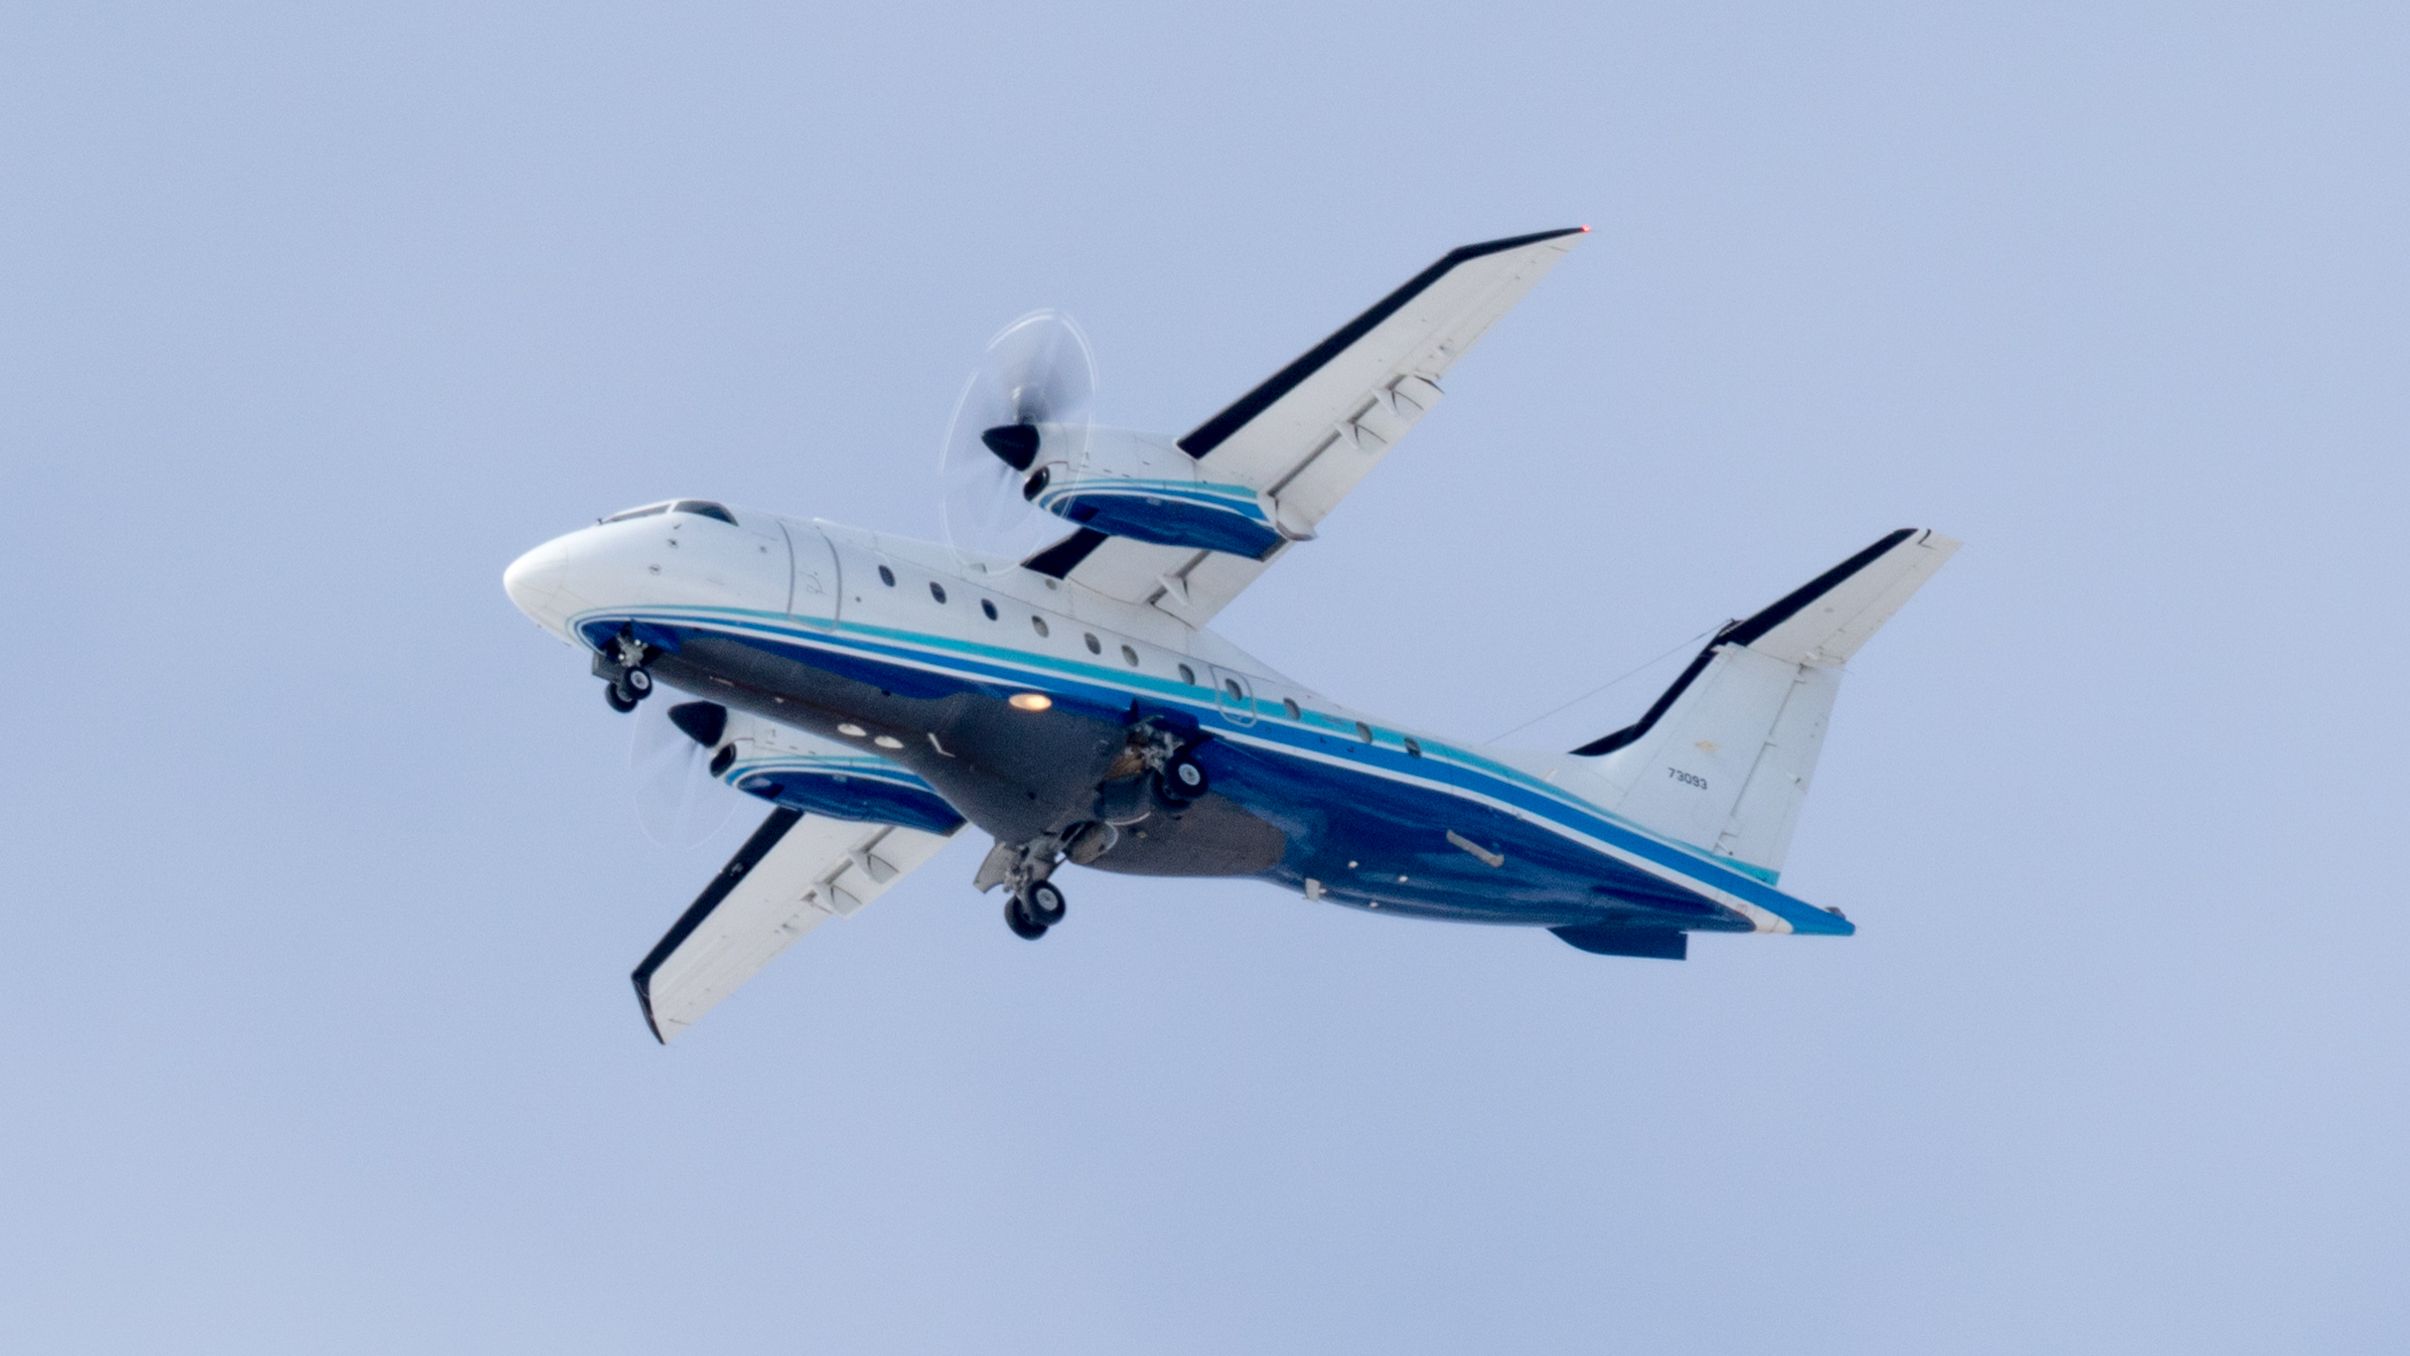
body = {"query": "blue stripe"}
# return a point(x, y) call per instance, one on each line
point(1107, 690)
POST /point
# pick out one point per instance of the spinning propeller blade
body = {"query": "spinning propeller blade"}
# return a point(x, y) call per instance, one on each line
point(1026, 404)
point(678, 801)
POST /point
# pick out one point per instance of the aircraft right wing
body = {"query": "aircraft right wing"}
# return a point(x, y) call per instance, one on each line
point(1311, 432)
point(793, 874)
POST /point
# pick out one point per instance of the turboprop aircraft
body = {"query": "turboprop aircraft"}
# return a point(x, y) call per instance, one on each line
point(1074, 704)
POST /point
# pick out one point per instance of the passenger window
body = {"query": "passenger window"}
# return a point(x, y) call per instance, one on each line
point(1095, 646)
point(1237, 693)
point(937, 590)
point(887, 576)
point(988, 608)
point(1037, 623)
point(1188, 675)
point(1414, 748)
point(1129, 656)
point(1363, 732)
point(1289, 704)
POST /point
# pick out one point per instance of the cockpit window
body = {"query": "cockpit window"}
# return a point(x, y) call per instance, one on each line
point(702, 508)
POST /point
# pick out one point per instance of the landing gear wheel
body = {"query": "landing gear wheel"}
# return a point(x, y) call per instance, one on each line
point(1016, 917)
point(1044, 904)
point(1183, 779)
point(638, 682)
point(620, 701)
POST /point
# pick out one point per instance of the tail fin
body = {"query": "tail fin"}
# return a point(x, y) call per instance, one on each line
point(1721, 761)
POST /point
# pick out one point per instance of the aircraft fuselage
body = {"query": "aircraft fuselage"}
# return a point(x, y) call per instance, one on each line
point(1039, 711)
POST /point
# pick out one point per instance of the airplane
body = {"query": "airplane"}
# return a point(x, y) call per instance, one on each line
point(1076, 706)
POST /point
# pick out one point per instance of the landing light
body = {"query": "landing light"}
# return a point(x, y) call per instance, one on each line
point(1030, 701)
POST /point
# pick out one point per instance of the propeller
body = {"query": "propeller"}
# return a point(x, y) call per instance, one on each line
point(678, 800)
point(1026, 406)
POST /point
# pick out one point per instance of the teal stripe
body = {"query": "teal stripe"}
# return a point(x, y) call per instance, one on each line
point(1723, 873)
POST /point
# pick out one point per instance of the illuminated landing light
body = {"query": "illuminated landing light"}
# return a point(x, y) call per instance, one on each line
point(1030, 701)
point(888, 742)
point(851, 730)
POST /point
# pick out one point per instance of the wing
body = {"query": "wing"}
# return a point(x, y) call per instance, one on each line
point(793, 874)
point(1315, 428)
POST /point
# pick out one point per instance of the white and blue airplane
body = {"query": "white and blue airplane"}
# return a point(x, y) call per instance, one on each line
point(1076, 706)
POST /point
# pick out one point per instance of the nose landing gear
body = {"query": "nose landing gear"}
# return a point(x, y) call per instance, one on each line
point(626, 681)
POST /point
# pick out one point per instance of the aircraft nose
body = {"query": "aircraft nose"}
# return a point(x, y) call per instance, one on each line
point(533, 582)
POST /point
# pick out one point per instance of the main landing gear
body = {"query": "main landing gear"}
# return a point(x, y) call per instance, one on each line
point(1032, 903)
point(1031, 911)
point(1181, 781)
point(626, 681)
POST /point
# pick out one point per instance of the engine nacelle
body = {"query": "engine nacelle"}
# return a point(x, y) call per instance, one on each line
point(1144, 487)
point(818, 776)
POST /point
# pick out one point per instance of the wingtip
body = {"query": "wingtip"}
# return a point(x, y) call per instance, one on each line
point(1463, 253)
point(644, 1000)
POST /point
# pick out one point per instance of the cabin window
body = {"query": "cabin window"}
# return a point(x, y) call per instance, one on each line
point(1037, 623)
point(1129, 656)
point(1289, 704)
point(1363, 732)
point(887, 576)
point(1188, 675)
point(1414, 747)
point(937, 590)
point(1095, 646)
point(988, 608)
point(1237, 693)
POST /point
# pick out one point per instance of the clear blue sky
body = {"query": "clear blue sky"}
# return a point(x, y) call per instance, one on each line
point(323, 883)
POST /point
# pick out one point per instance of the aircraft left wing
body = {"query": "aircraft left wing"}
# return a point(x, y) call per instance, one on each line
point(795, 873)
point(1309, 433)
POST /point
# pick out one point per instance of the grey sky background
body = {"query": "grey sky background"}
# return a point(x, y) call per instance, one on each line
point(323, 882)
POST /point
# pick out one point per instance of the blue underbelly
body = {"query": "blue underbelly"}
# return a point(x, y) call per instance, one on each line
point(1385, 812)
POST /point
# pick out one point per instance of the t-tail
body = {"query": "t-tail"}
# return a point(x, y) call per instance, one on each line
point(1722, 760)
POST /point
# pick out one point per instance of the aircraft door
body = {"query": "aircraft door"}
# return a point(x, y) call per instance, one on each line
point(1234, 694)
point(815, 590)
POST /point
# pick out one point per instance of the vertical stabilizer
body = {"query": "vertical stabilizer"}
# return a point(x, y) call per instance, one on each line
point(1723, 758)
